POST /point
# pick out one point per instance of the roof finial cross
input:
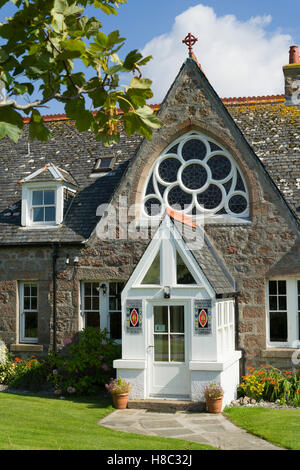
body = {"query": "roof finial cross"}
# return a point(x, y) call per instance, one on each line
point(190, 40)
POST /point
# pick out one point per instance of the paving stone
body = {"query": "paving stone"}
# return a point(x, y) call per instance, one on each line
point(157, 424)
point(205, 423)
point(173, 432)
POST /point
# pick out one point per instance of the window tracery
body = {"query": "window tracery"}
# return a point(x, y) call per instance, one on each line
point(195, 175)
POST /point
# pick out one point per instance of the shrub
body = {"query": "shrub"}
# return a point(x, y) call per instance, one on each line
point(271, 384)
point(86, 365)
point(29, 374)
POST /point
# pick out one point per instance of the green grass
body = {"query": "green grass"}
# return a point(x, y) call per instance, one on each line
point(278, 426)
point(29, 422)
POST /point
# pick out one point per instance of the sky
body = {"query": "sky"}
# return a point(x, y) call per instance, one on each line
point(242, 44)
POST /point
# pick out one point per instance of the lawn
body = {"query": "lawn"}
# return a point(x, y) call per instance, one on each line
point(29, 422)
point(279, 426)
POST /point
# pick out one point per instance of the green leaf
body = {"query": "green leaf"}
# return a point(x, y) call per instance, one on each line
point(145, 60)
point(84, 121)
point(74, 108)
point(3, 55)
point(37, 128)
point(132, 59)
point(98, 97)
point(5, 76)
point(131, 123)
point(108, 9)
point(74, 45)
point(148, 117)
point(9, 115)
point(138, 96)
point(114, 38)
point(10, 130)
point(140, 82)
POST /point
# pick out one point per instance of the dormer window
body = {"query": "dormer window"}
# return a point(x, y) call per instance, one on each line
point(43, 205)
point(43, 197)
point(102, 165)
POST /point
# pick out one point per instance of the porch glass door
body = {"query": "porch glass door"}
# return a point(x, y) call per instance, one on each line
point(169, 369)
point(169, 333)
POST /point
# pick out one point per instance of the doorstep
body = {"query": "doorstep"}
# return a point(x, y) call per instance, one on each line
point(167, 406)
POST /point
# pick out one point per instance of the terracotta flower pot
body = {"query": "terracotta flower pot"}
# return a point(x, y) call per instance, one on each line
point(120, 400)
point(214, 405)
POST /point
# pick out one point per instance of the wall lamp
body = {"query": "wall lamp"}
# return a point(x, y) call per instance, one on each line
point(167, 292)
point(103, 287)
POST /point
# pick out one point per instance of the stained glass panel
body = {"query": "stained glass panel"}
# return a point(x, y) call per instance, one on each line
point(211, 197)
point(194, 176)
point(194, 149)
point(168, 170)
point(237, 204)
point(177, 198)
point(220, 167)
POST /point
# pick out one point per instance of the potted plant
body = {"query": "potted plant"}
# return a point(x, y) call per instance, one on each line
point(119, 389)
point(214, 394)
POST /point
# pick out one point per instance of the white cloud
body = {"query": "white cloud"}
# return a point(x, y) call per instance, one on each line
point(239, 58)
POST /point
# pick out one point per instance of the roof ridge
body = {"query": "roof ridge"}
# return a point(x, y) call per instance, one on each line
point(227, 101)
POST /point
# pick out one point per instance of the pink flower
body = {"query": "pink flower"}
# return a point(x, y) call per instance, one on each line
point(68, 341)
point(54, 372)
point(104, 367)
point(101, 357)
point(71, 390)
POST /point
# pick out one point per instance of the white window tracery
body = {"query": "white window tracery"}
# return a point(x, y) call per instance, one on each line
point(196, 175)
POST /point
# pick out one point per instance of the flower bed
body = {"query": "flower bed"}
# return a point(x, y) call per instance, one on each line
point(29, 374)
point(269, 384)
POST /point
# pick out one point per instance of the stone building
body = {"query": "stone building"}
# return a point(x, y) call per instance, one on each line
point(186, 247)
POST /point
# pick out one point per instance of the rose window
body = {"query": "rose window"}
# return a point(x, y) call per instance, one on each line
point(195, 175)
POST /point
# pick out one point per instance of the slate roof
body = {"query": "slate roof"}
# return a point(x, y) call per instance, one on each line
point(207, 258)
point(73, 152)
point(272, 130)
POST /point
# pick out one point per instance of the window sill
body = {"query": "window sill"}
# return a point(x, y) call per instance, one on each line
point(26, 347)
point(278, 352)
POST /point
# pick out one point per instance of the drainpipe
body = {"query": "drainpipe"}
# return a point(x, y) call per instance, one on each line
point(237, 345)
point(54, 273)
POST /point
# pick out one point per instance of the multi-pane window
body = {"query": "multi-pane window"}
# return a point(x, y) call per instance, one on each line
point(115, 309)
point(283, 312)
point(278, 311)
point(101, 306)
point(169, 333)
point(91, 304)
point(43, 205)
point(28, 312)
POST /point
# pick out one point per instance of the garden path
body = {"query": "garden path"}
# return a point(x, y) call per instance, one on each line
point(213, 429)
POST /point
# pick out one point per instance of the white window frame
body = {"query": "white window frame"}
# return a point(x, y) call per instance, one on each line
point(292, 314)
point(27, 191)
point(210, 215)
point(104, 310)
point(34, 206)
point(23, 311)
